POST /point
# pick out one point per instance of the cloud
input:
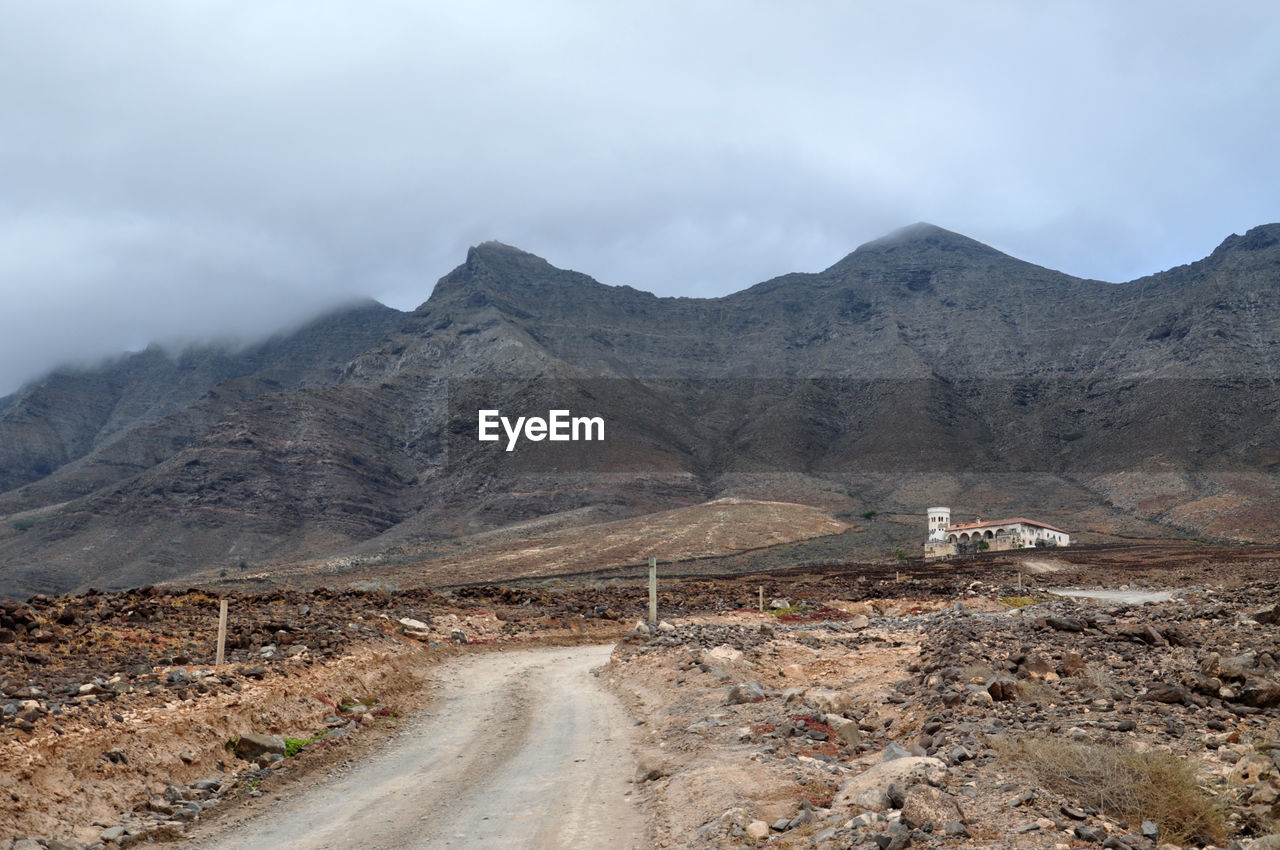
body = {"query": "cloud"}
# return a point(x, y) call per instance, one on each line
point(203, 169)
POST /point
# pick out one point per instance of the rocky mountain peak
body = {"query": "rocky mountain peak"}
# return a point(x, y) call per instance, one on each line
point(1255, 239)
point(923, 236)
point(492, 251)
point(496, 267)
point(517, 282)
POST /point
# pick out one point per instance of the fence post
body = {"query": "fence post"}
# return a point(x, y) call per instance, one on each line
point(222, 632)
point(653, 590)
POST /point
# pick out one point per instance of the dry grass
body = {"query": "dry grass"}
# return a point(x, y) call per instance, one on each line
point(1037, 692)
point(1097, 679)
point(1125, 784)
point(818, 792)
point(977, 673)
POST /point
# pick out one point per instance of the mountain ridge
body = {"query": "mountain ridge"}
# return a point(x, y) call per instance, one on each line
point(923, 367)
point(142, 388)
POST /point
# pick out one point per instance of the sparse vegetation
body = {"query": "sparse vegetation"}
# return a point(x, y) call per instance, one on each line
point(1020, 601)
point(1125, 784)
point(25, 524)
point(901, 554)
point(1099, 680)
point(1072, 436)
point(977, 673)
point(1036, 692)
point(384, 715)
point(869, 514)
point(293, 746)
point(818, 792)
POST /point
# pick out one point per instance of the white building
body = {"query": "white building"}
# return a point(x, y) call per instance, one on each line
point(939, 520)
point(1017, 533)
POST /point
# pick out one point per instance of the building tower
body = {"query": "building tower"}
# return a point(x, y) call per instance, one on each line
point(939, 519)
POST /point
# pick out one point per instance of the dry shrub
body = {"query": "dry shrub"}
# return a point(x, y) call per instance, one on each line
point(1097, 679)
point(977, 672)
point(1037, 692)
point(819, 793)
point(1125, 784)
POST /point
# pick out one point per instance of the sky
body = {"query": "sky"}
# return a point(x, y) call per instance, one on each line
point(206, 170)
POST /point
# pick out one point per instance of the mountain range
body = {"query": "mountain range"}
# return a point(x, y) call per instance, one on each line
point(924, 368)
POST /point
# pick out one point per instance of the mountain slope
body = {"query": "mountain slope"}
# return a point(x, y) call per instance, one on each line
point(922, 368)
point(77, 414)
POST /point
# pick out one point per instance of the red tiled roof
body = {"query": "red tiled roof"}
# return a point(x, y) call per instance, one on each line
point(1023, 520)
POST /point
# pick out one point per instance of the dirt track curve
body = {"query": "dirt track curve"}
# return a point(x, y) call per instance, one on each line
point(521, 749)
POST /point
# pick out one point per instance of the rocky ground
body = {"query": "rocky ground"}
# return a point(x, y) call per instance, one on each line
point(115, 725)
point(881, 707)
point(992, 716)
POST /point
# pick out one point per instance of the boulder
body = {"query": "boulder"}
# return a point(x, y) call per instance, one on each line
point(925, 804)
point(62, 844)
point(1003, 689)
point(1038, 667)
point(1169, 693)
point(1072, 663)
point(906, 772)
point(1267, 616)
point(1260, 693)
point(252, 745)
point(894, 751)
point(1231, 668)
point(873, 800)
point(846, 730)
point(896, 837)
point(651, 765)
point(1251, 769)
point(828, 700)
point(1141, 633)
point(415, 628)
point(745, 692)
point(724, 654)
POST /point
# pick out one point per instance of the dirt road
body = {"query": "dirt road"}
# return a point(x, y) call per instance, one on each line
point(521, 749)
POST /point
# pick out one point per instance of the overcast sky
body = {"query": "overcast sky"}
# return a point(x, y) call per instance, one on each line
point(184, 170)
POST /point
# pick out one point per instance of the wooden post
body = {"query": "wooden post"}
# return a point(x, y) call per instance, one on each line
point(1019, 581)
point(762, 598)
point(222, 632)
point(653, 590)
